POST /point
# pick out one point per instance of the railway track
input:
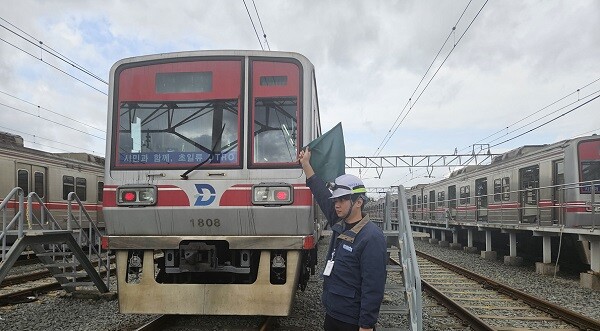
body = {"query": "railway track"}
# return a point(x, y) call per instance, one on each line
point(28, 285)
point(488, 305)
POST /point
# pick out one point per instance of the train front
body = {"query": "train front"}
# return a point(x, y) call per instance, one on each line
point(204, 201)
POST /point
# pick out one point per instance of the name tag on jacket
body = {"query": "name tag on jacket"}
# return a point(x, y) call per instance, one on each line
point(348, 248)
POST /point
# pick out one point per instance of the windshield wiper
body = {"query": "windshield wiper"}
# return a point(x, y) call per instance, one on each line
point(210, 156)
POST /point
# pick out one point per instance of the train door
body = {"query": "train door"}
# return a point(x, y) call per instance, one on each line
point(432, 205)
point(529, 182)
point(32, 178)
point(558, 196)
point(452, 201)
point(481, 199)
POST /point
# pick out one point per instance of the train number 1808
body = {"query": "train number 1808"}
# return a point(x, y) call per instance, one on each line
point(201, 222)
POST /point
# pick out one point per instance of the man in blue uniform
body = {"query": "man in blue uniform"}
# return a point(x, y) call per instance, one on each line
point(354, 276)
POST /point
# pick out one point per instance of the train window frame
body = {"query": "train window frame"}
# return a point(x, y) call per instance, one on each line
point(497, 189)
point(452, 199)
point(41, 192)
point(277, 93)
point(23, 186)
point(81, 189)
point(185, 160)
point(505, 189)
point(66, 191)
point(465, 195)
point(441, 199)
point(100, 191)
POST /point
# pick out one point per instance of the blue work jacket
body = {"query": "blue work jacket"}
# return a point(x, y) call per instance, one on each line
point(353, 292)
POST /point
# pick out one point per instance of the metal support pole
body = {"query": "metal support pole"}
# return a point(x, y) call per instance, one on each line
point(470, 237)
point(488, 240)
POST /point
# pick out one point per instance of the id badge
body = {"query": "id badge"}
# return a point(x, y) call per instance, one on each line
point(328, 268)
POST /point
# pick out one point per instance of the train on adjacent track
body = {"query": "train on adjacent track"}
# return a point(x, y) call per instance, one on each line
point(551, 184)
point(51, 176)
point(202, 167)
point(554, 185)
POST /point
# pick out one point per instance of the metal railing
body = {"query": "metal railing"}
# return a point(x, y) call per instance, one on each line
point(536, 206)
point(16, 220)
point(93, 237)
point(412, 276)
point(39, 217)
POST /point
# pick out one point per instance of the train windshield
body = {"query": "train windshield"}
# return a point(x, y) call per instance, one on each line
point(176, 115)
point(589, 165)
point(178, 132)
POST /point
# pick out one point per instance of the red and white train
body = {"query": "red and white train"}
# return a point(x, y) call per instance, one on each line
point(202, 166)
point(52, 176)
point(547, 185)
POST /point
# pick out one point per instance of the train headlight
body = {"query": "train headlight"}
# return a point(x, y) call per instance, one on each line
point(272, 194)
point(136, 195)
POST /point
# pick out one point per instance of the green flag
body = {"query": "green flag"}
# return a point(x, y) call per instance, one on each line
point(328, 154)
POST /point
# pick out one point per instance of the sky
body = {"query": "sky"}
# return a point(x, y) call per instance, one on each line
point(407, 77)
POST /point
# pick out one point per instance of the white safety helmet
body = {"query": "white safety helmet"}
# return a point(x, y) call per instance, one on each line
point(347, 185)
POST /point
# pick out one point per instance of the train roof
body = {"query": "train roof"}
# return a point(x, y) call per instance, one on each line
point(15, 143)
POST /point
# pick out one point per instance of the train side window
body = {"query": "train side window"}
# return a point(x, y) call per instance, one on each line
point(497, 189)
point(452, 196)
point(39, 184)
point(441, 198)
point(23, 180)
point(68, 186)
point(465, 195)
point(506, 189)
point(81, 188)
point(100, 191)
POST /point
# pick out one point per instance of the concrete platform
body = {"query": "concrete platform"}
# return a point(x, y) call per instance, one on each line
point(589, 280)
point(456, 246)
point(546, 268)
point(443, 243)
point(470, 249)
point(513, 260)
point(488, 255)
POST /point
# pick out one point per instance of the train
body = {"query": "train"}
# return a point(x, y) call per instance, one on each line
point(202, 177)
point(51, 176)
point(531, 187)
point(546, 185)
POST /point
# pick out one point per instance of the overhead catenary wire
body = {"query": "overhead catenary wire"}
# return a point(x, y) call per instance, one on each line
point(547, 122)
point(253, 26)
point(53, 66)
point(43, 138)
point(578, 90)
point(433, 76)
point(393, 130)
point(51, 121)
point(49, 50)
point(261, 26)
point(53, 112)
point(377, 151)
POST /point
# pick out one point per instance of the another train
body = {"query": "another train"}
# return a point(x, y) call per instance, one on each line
point(52, 176)
point(546, 185)
point(202, 167)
